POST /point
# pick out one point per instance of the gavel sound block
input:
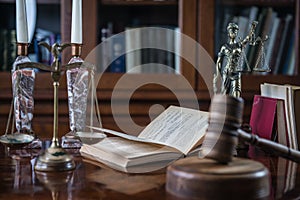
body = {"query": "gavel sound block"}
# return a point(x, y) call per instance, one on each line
point(195, 178)
point(216, 174)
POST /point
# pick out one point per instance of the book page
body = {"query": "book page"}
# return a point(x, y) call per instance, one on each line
point(117, 133)
point(130, 149)
point(127, 136)
point(130, 156)
point(177, 127)
point(295, 104)
point(281, 122)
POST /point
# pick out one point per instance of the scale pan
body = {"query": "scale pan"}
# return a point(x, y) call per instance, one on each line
point(16, 140)
point(90, 137)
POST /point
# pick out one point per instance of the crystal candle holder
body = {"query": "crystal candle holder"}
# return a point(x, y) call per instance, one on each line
point(78, 84)
point(23, 80)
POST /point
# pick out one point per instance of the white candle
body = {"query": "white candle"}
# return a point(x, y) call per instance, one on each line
point(21, 22)
point(76, 26)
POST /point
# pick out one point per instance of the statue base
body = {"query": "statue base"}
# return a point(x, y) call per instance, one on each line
point(195, 178)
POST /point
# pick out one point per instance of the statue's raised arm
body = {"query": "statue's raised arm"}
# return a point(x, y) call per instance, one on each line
point(251, 35)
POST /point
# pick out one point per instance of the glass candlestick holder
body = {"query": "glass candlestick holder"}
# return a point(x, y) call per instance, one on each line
point(80, 83)
point(22, 105)
point(78, 79)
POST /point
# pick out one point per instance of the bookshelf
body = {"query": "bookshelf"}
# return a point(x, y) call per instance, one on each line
point(277, 20)
point(213, 13)
point(44, 16)
point(142, 99)
point(196, 18)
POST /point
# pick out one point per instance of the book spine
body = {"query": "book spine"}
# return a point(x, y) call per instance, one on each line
point(276, 47)
point(170, 46)
point(177, 49)
point(105, 53)
point(11, 49)
point(3, 50)
point(272, 40)
point(287, 63)
point(118, 53)
point(133, 42)
point(283, 39)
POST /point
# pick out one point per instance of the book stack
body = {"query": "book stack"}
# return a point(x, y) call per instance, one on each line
point(275, 114)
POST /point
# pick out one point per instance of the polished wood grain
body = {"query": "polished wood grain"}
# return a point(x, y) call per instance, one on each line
point(95, 181)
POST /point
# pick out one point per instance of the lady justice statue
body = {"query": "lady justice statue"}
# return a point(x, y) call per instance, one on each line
point(229, 65)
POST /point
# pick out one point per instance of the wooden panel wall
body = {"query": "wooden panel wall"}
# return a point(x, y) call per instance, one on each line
point(144, 104)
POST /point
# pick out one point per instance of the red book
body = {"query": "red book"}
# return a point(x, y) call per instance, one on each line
point(263, 116)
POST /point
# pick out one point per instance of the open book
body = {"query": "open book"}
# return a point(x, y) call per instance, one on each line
point(174, 133)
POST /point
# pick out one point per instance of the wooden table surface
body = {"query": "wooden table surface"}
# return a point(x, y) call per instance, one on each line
point(89, 181)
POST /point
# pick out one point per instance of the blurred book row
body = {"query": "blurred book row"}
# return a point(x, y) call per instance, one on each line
point(136, 50)
point(8, 51)
point(140, 50)
point(277, 23)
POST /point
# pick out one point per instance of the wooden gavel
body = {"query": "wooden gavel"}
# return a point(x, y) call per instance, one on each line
point(224, 131)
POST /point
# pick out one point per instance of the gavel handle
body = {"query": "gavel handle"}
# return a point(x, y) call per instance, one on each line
point(277, 148)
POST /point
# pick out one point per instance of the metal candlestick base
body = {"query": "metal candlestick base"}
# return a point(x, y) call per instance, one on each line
point(54, 159)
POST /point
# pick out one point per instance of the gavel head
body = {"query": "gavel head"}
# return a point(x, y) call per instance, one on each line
point(221, 138)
